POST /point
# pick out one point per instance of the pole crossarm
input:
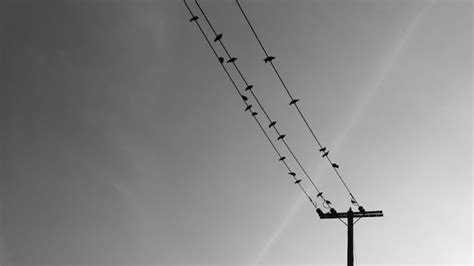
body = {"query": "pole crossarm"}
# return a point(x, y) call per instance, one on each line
point(338, 215)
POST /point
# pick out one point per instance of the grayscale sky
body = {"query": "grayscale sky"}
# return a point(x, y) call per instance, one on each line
point(123, 141)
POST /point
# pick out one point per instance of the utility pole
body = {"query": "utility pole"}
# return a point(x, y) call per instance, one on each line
point(349, 215)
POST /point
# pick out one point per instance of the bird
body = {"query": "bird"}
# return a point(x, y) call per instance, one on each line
point(244, 98)
point(218, 37)
point(268, 59)
point(322, 149)
point(194, 18)
point(353, 201)
point(249, 87)
point(294, 101)
point(292, 173)
point(231, 60)
point(335, 165)
point(319, 194)
point(272, 124)
point(221, 59)
point(254, 113)
point(298, 181)
point(248, 107)
point(282, 158)
point(282, 136)
point(328, 202)
point(325, 154)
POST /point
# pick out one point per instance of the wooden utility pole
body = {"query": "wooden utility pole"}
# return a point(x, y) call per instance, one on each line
point(349, 215)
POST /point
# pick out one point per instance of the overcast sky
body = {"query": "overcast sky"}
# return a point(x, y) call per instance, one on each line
point(123, 141)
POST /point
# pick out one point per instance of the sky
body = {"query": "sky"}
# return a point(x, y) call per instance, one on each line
point(124, 142)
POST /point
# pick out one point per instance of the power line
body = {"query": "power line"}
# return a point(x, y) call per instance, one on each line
point(248, 106)
point(232, 60)
point(293, 101)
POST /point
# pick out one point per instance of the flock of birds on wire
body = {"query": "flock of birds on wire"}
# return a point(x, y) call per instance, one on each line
point(272, 123)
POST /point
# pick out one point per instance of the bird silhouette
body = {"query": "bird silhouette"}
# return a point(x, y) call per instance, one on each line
point(292, 173)
point(244, 98)
point(335, 165)
point(361, 209)
point(319, 194)
point(268, 59)
point(294, 101)
point(218, 37)
point(282, 158)
point(328, 202)
point(194, 18)
point(254, 113)
point(282, 136)
point(248, 107)
point(325, 154)
point(322, 149)
point(231, 60)
point(221, 59)
point(249, 87)
point(320, 212)
point(298, 181)
point(272, 124)
point(353, 201)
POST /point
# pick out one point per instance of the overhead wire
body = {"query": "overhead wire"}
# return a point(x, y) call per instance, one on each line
point(269, 59)
point(247, 105)
point(232, 60)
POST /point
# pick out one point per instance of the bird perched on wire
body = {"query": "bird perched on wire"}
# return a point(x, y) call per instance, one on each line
point(218, 37)
point(268, 59)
